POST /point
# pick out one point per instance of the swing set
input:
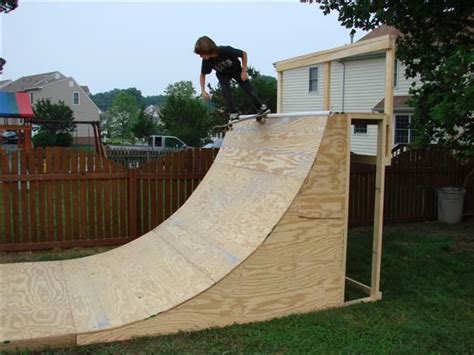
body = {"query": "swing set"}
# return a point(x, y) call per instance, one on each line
point(16, 115)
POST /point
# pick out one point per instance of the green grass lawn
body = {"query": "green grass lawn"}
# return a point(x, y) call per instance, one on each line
point(427, 306)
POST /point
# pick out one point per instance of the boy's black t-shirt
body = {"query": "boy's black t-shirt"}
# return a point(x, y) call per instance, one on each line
point(226, 62)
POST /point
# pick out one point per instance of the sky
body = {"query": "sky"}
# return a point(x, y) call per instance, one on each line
point(149, 44)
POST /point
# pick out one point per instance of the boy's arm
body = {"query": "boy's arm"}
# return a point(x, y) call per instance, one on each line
point(202, 81)
point(244, 76)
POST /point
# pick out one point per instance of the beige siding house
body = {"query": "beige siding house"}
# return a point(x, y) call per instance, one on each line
point(57, 87)
point(356, 85)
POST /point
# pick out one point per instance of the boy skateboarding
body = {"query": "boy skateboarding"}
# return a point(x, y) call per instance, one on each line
point(229, 63)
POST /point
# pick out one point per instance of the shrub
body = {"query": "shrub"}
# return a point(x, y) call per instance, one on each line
point(44, 139)
point(63, 139)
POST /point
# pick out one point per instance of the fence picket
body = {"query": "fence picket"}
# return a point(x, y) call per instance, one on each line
point(7, 236)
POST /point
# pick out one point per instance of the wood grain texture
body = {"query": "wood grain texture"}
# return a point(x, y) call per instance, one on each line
point(299, 267)
point(324, 193)
point(35, 301)
point(248, 245)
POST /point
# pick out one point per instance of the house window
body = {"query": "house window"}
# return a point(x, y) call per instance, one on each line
point(360, 128)
point(313, 79)
point(75, 98)
point(404, 134)
point(31, 97)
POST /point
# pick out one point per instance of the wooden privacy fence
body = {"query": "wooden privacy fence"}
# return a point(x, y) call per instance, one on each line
point(63, 198)
point(58, 197)
point(411, 184)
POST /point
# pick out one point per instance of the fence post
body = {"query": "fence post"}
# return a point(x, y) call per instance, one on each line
point(132, 204)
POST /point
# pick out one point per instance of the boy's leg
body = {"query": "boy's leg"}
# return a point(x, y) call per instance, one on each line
point(224, 81)
point(259, 106)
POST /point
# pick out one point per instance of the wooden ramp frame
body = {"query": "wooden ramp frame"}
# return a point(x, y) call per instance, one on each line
point(263, 236)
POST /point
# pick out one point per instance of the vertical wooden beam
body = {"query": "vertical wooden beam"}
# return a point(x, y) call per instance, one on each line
point(378, 212)
point(346, 204)
point(327, 86)
point(388, 102)
point(280, 92)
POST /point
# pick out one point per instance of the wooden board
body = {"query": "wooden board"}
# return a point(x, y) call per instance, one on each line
point(250, 244)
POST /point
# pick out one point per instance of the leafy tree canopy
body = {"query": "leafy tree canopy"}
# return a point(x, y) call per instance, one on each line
point(144, 125)
point(120, 117)
point(437, 45)
point(8, 5)
point(184, 115)
point(59, 117)
point(181, 89)
point(104, 100)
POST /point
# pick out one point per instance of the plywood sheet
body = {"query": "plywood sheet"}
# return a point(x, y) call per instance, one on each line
point(35, 302)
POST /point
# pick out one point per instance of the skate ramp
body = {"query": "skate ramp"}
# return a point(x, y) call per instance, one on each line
point(262, 236)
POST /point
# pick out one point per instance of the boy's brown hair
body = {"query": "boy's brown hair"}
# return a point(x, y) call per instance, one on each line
point(205, 45)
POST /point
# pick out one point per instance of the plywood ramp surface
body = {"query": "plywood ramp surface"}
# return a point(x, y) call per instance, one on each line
point(261, 237)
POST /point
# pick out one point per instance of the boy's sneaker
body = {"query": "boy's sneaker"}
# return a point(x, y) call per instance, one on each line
point(233, 116)
point(263, 110)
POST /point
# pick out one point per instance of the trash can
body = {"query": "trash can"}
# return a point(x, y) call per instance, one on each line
point(450, 204)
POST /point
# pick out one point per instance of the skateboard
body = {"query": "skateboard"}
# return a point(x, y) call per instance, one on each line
point(259, 117)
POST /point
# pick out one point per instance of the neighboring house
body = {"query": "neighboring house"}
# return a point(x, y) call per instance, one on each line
point(57, 87)
point(356, 85)
point(154, 112)
point(4, 83)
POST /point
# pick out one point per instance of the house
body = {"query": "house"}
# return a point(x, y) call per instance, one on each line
point(154, 112)
point(357, 84)
point(57, 87)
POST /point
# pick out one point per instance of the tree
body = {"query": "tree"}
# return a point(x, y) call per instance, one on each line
point(185, 116)
point(6, 6)
point(104, 100)
point(120, 117)
point(59, 117)
point(181, 88)
point(144, 125)
point(437, 45)
point(265, 86)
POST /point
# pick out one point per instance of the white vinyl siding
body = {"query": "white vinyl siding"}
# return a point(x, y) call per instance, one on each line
point(85, 111)
point(364, 84)
point(296, 95)
point(364, 87)
point(336, 87)
point(364, 143)
point(403, 85)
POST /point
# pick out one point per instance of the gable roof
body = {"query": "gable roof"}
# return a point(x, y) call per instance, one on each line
point(32, 82)
point(4, 82)
point(381, 31)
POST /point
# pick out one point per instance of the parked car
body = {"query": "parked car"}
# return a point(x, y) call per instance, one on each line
point(216, 143)
point(35, 130)
point(10, 137)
